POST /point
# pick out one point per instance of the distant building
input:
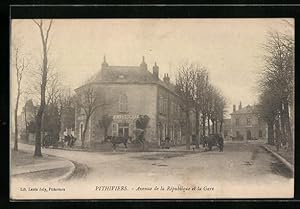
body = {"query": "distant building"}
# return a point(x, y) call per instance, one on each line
point(132, 91)
point(246, 125)
point(26, 117)
point(226, 129)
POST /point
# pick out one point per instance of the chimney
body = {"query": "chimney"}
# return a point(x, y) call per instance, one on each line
point(166, 78)
point(104, 63)
point(104, 68)
point(233, 108)
point(156, 71)
point(240, 106)
point(143, 65)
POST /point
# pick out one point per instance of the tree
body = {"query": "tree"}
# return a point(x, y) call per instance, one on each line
point(268, 109)
point(277, 79)
point(44, 33)
point(106, 121)
point(89, 100)
point(199, 95)
point(185, 88)
point(141, 126)
point(66, 109)
point(20, 65)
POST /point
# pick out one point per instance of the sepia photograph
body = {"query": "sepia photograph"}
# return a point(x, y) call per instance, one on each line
point(156, 108)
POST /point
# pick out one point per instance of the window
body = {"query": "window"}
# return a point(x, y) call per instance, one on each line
point(260, 133)
point(123, 103)
point(161, 108)
point(237, 121)
point(248, 121)
point(165, 106)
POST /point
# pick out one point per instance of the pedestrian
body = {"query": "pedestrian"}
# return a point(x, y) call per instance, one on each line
point(167, 141)
point(220, 142)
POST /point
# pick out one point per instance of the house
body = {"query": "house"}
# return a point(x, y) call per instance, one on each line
point(246, 124)
point(127, 92)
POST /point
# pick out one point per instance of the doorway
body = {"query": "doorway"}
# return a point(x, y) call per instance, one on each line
point(248, 135)
point(123, 129)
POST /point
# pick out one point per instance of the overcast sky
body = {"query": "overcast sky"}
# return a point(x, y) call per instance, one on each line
point(229, 48)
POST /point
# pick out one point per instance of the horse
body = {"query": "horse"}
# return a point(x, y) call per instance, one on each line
point(117, 140)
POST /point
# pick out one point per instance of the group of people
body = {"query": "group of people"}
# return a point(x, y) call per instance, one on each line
point(207, 142)
point(69, 140)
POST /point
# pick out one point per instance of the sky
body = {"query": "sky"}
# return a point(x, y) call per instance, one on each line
point(231, 49)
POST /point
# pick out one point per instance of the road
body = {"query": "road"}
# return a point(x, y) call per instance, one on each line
point(242, 170)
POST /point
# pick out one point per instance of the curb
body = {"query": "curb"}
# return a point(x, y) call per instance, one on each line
point(68, 174)
point(280, 158)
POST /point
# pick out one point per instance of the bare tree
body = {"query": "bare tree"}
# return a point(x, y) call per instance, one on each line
point(278, 77)
point(201, 83)
point(88, 100)
point(20, 65)
point(44, 33)
point(185, 87)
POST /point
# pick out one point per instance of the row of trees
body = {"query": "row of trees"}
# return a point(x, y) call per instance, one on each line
point(200, 96)
point(276, 87)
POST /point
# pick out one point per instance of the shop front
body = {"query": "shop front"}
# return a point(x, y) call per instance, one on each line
point(124, 125)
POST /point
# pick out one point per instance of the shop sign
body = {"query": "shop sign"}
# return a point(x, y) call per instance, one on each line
point(125, 117)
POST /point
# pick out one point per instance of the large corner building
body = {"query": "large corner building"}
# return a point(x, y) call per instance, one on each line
point(130, 91)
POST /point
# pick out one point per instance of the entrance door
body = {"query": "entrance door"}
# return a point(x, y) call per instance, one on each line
point(248, 135)
point(123, 129)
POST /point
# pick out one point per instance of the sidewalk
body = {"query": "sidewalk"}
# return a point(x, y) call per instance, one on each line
point(283, 156)
point(23, 163)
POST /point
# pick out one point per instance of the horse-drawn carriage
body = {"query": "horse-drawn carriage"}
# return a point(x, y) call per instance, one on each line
point(54, 142)
point(213, 140)
point(115, 140)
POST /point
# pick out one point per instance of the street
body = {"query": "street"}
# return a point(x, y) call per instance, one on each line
point(241, 170)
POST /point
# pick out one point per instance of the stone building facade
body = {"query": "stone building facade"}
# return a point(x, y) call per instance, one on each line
point(130, 91)
point(245, 125)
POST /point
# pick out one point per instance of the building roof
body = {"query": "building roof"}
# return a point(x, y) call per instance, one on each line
point(246, 110)
point(125, 74)
point(128, 74)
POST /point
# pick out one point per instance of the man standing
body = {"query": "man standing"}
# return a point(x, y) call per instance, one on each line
point(220, 142)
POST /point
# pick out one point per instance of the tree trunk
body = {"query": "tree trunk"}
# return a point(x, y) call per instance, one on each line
point(270, 133)
point(25, 119)
point(16, 127)
point(216, 125)
point(208, 125)
point(43, 128)
point(105, 132)
point(188, 131)
point(277, 135)
point(197, 129)
point(203, 125)
point(282, 124)
point(37, 151)
point(288, 126)
point(221, 126)
point(84, 131)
